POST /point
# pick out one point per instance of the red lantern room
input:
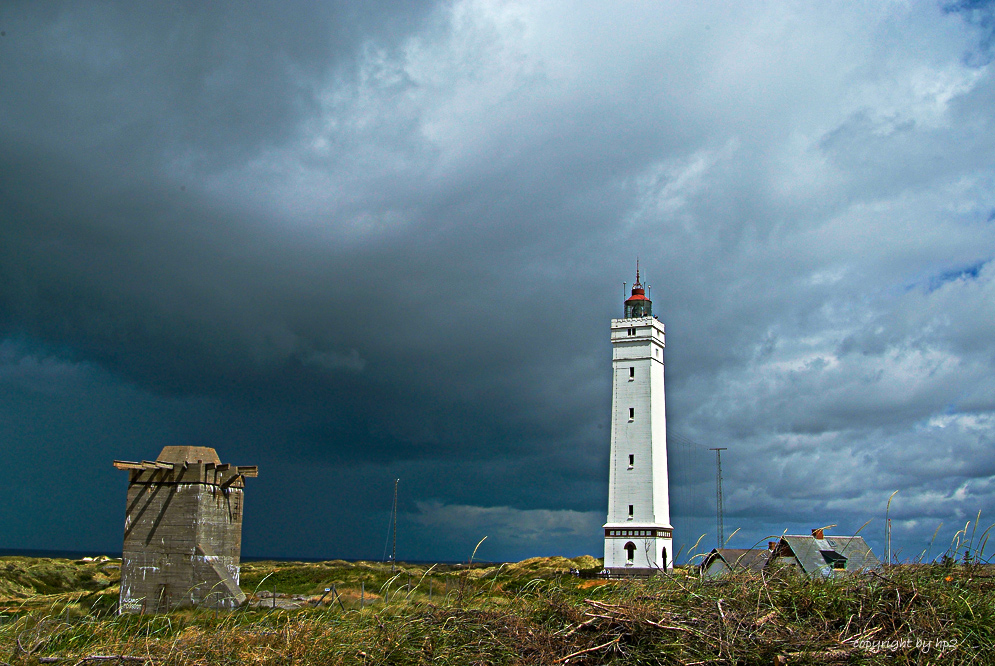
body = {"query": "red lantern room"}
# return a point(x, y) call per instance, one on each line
point(637, 305)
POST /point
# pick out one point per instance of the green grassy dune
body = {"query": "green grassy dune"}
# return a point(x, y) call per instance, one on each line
point(60, 611)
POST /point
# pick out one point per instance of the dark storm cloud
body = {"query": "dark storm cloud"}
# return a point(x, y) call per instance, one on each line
point(198, 82)
point(386, 242)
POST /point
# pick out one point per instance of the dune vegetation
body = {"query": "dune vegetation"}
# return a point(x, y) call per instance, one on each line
point(530, 612)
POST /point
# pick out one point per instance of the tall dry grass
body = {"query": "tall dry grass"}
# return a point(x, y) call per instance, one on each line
point(529, 613)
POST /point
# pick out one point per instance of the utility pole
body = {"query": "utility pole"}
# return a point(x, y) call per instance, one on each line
point(718, 492)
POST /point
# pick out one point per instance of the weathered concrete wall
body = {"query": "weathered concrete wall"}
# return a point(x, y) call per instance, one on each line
point(183, 535)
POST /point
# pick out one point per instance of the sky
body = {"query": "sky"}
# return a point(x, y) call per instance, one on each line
point(357, 242)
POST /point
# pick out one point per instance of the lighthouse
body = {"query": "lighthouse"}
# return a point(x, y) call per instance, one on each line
point(638, 534)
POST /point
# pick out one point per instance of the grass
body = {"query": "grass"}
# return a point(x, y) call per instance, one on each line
point(520, 613)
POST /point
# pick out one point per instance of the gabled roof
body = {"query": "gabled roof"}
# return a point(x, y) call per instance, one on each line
point(752, 559)
point(820, 556)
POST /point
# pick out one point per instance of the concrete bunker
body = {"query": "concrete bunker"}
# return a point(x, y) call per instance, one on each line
point(182, 531)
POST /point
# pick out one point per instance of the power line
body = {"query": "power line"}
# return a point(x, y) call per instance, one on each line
point(686, 459)
point(391, 522)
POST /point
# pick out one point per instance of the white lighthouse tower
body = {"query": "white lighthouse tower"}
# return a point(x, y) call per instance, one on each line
point(638, 534)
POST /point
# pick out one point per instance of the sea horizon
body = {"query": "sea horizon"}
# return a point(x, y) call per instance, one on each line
point(80, 554)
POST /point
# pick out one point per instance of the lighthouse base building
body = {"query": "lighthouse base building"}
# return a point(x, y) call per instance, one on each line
point(638, 533)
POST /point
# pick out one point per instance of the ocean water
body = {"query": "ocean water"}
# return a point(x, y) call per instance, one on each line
point(57, 554)
point(80, 554)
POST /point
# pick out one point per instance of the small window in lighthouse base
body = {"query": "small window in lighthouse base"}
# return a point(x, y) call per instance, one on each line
point(630, 554)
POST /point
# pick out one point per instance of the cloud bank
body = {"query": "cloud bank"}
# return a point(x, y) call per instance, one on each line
point(358, 244)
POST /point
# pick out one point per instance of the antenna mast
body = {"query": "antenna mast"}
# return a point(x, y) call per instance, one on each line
point(719, 510)
point(887, 526)
point(393, 552)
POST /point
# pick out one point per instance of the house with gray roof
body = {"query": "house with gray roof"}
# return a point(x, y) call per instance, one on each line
point(724, 560)
point(819, 554)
